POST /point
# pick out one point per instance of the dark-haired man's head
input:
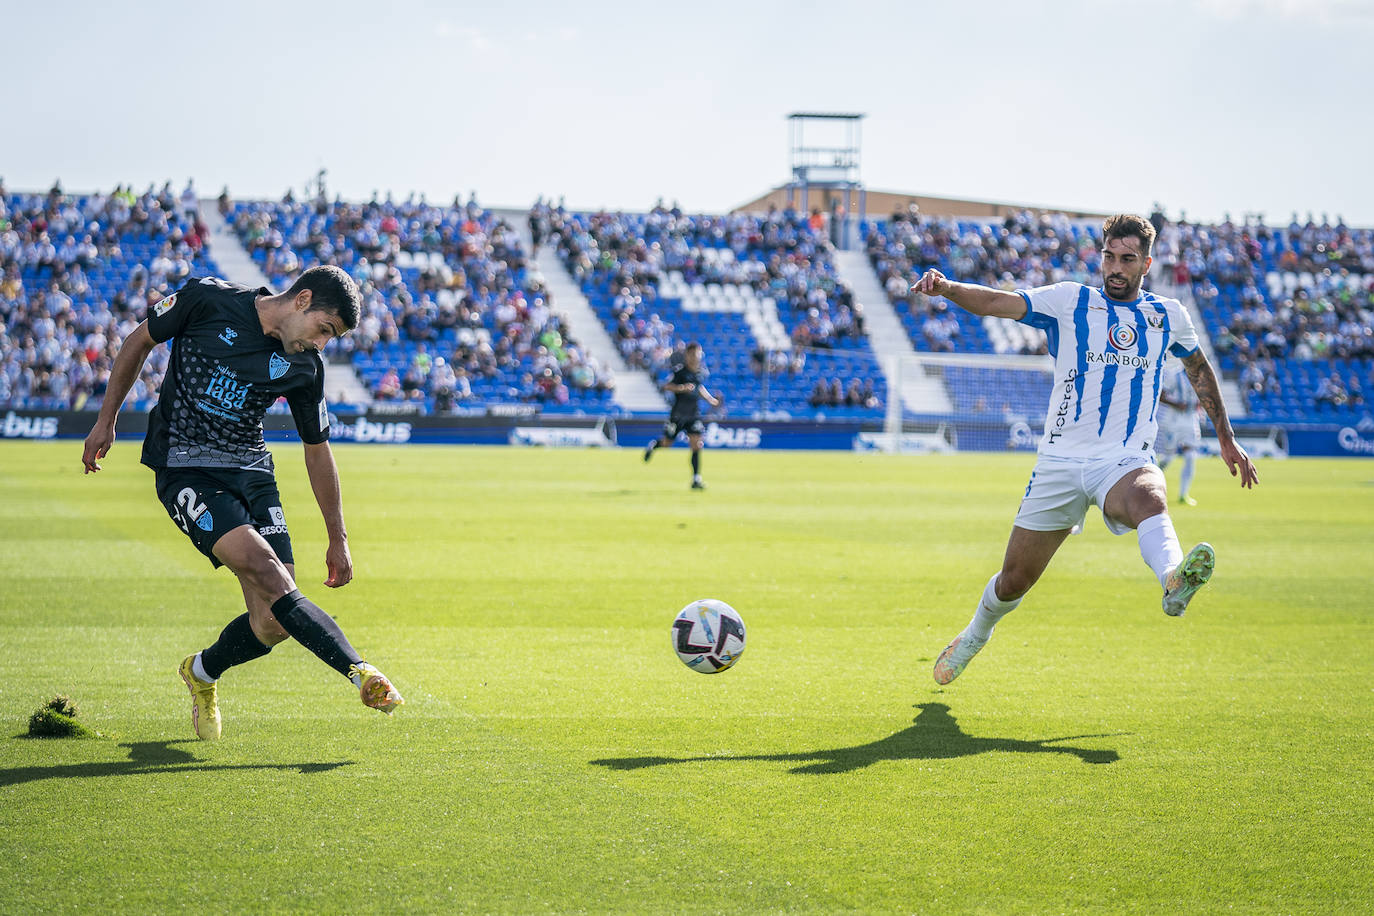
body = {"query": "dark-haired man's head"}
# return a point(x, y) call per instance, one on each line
point(331, 289)
point(323, 303)
point(1127, 241)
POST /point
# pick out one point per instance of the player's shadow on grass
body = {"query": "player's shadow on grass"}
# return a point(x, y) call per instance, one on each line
point(149, 757)
point(934, 735)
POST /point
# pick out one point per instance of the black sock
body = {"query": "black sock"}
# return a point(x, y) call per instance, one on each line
point(236, 645)
point(313, 628)
point(696, 464)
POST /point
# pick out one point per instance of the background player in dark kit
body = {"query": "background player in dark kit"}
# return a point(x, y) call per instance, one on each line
point(685, 417)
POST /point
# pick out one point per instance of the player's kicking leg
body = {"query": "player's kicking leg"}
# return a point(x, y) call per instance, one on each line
point(1028, 553)
point(1139, 500)
point(278, 605)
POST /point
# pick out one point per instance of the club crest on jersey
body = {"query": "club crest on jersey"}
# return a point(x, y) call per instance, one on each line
point(278, 365)
point(1121, 336)
point(165, 306)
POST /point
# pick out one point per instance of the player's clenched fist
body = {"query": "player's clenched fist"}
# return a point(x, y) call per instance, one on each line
point(932, 283)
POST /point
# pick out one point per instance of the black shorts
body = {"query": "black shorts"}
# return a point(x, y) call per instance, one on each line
point(208, 503)
point(692, 427)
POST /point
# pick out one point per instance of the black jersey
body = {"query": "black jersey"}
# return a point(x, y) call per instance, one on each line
point(223, 375)
point(686, 404)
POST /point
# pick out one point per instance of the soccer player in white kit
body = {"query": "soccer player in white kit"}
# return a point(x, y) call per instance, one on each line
point(1180, 433)
point(1109, 345)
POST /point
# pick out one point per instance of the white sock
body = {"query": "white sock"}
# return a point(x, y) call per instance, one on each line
point(1186, 481)
point(990, 610)
point(1159, 545)
point(199, 671)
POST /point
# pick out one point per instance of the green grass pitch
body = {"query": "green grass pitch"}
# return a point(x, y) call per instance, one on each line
point(555, 756)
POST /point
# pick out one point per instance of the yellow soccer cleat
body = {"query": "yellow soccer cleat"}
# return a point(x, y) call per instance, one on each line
point(204, 704)
point(377, 692)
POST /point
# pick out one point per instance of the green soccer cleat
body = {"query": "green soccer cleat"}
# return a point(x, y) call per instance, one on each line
point(1187, 577)
point(956, 656)
point(375, 689)
point(1187, 500)
point(204, 705)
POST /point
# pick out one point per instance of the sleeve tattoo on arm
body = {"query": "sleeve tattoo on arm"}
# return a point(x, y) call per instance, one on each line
point(1204, 382)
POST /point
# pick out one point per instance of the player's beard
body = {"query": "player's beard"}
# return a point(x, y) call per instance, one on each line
point(1124, 292)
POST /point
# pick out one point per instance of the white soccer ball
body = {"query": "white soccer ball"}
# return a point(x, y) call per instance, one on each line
point(708, 635)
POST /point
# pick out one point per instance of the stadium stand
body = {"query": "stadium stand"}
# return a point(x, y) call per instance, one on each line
point(451, 316)
point(760, 293)
point(454, 318)
point(77, 273)
point(1290, 313)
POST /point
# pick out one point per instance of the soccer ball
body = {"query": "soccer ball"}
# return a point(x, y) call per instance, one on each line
point(708, 636)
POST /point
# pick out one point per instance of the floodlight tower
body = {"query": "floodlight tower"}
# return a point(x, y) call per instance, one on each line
point(828, 161)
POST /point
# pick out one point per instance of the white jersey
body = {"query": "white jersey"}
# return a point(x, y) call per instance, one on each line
point(1179, 429)
point(1108, 366)
point(1177, 388)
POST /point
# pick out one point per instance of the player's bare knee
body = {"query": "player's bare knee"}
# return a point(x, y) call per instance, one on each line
point(265, 575)
point(267, 630)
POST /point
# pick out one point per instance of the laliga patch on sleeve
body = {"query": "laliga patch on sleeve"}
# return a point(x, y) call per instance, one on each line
point(165, 306)
point(324, 414)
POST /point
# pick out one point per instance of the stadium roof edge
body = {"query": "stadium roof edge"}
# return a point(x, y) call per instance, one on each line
point(881, 202)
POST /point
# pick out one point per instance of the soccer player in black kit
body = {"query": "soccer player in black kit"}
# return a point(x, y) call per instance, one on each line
point(685, 417)
point(235, 350)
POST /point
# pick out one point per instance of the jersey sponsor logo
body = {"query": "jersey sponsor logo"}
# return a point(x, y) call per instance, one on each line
point(228, 335)
point(277, 366)
point(226, 390)
point(165, 306)
point(1060, 418)
point(1121, 336)
point(1117, 359)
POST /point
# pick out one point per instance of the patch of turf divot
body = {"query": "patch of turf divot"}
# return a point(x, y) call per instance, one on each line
point(57, 719)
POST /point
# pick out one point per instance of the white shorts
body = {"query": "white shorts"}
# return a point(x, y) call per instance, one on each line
point(1061, 489)
point(1177, 432)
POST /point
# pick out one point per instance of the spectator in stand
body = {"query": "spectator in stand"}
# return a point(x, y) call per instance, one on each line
point(1331, 392)
point(820, 394)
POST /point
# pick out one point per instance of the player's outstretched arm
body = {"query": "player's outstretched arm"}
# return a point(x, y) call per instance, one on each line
point(1204, 382)
point(127, 365)
point(980, 300)
point(324, 481)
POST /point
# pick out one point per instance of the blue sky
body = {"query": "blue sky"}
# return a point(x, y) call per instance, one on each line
point(1209, 106)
